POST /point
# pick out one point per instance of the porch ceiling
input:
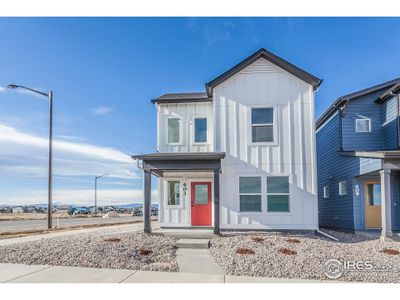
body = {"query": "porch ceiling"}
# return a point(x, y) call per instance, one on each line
point(158, 163)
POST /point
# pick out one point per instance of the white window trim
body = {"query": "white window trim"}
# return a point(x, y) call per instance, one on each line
point(193, 139)
point(369, 124)
point(288, 194)
point(261, 194)
point(326, 192)
point(180, 131)
point(274, 124)
point(342, 193)
point(181, 194)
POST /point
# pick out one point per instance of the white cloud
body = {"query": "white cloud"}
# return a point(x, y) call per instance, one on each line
point(2, 89)
point(23, 154)
point(101, 110)
point(81, 197)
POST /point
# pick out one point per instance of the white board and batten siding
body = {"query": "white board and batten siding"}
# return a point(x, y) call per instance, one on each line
point(187, 112)
point(292, 153)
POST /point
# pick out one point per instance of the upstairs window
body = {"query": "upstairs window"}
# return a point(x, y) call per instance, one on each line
point(200, 130)
point(363, 125)
point(173, 193)
point(262, 124)
point(278, 193)
point(250, 193)
point(342, 188)
point(173, 130)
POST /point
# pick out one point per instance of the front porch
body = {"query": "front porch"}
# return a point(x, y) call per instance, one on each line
point(378, 208)
point(188, 190)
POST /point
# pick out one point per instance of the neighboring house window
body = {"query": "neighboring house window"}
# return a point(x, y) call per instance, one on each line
point(200, 130)
point(278, 193)
point(173, 130)
point(173, 193)
point(342, 188)
point(250, 193)
point(326, 192)
point(363, 125)
point(262, 124)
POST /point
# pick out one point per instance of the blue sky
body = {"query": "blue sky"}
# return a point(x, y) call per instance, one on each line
point(104, 71)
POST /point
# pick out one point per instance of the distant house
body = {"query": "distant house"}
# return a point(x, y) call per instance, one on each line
point(358, 158)
point(17, 209)
point(240, 155)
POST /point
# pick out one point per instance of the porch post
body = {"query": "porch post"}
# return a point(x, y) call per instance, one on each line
point(386, 203)
point(216, 201)
point(147, 201)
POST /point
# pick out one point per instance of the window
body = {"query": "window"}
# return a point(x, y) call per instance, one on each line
point(278, 194)
point(201, 194)
point(173, 130)
point(250, 193)
point(262, 124)
point(200, 130)
point(326, 192)
point(363, 125)
point(374, 194)
point(342, 188)
point(173, 193)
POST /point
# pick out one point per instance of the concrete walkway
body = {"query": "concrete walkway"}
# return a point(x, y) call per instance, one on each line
point(13, 273)
point(198, 261)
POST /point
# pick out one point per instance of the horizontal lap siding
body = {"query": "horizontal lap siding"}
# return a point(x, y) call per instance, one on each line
point(389, 124)
point(262, 84)
point(336, 211)
point(359, 108)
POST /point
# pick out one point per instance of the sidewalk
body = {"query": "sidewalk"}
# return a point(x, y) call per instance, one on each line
point(12, 273)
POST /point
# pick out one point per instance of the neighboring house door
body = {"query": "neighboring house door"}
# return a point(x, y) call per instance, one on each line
point(372, 192)
point(201, 203)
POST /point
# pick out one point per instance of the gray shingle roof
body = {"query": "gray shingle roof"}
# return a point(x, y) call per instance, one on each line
point(182, 97)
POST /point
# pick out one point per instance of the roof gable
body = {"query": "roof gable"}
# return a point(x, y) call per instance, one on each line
point(276, 60)
point(349, 97)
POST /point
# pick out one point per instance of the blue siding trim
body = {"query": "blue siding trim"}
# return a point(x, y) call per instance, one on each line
point(337, 211)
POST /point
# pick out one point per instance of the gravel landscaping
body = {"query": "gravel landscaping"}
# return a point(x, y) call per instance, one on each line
point(116, 250)
point(303, 256)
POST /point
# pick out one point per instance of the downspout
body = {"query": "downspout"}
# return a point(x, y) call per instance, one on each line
point(341, 113)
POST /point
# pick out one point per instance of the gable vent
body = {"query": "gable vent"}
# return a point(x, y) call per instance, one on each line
point(261, 66)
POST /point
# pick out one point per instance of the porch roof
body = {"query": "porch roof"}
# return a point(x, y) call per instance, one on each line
point(158, 163)
point(381, 154)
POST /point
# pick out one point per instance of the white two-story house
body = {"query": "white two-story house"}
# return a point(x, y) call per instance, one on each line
point(239, 156)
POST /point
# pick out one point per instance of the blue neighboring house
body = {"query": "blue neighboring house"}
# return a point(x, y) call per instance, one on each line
point(358, 161)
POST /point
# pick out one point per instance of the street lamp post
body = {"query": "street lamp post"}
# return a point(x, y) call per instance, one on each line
point(49, 95)
point(95, 191)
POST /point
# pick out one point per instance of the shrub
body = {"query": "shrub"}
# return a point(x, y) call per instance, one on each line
point(258, 239)
point(390, 251)
point(112, 239)
point(145, 252)
point(287, 251)
point(244, 251)
point(293, 241)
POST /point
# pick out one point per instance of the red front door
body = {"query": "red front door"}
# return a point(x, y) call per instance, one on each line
point(201, 203)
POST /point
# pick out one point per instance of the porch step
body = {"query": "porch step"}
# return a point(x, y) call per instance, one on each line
point(193, 243)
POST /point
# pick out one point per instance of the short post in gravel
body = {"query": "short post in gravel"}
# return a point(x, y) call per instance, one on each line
point(95, 191)
point(48, 95)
